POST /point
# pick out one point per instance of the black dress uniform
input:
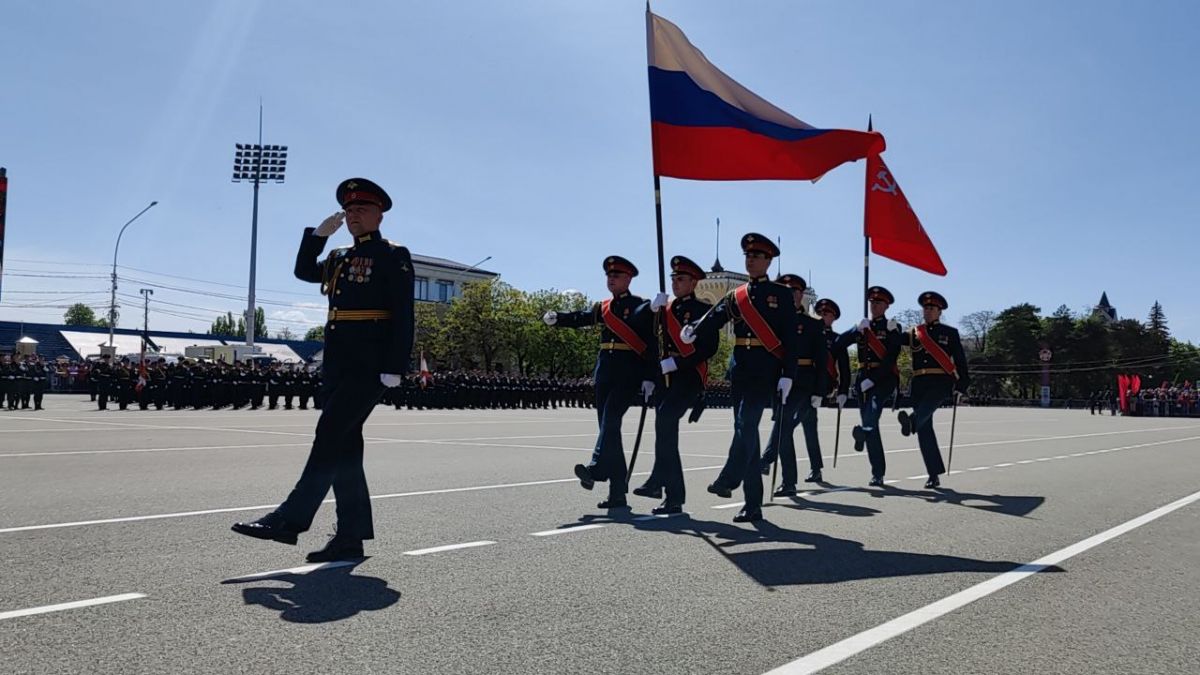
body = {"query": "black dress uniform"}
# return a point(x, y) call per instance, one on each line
point(369, 332)
point(101, 374)
point(812, 379)
point(683, 388)
point(932, 382)
point(754, 372)
point(837, 359)
point(878, 349)
point(620, 368)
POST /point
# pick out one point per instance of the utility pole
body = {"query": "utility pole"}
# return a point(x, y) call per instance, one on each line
point(146, 293)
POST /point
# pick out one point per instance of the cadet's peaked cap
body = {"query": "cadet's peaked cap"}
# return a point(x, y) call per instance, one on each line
point(826, 304)
point(354, 190)
point(682, 265)
point(615, 263)
point(881, 293)
point(933, 298)
point(757, 242)
point(793, 281)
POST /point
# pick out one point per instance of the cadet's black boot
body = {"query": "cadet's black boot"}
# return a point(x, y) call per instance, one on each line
point(748, 516)
point(785, 490)
point(613, 503)
point(584, 476)
point(860, 438)
point(905, 423)
point(720, 490)
point(271, 526)
point(814, 477)
point(648, 490)
point(666, 509)
point(933, 482)
point(876, 481)
point(337, 548)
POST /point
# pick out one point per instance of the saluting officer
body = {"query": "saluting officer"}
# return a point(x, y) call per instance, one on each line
point(764, 361)
point(811, 385)
point(685, 370)
point(879, 340)
point(368, 340)
point(626, 359)
point(939, 371)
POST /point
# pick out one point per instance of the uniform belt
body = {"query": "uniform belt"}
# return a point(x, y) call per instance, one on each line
point(359, 314)
point(616, 345)
point(805, 362)
point(929, 371)
point(747, 342)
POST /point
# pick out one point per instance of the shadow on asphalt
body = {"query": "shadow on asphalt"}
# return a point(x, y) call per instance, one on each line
point(1009, 505)
point(320, 596)
point(809, 558)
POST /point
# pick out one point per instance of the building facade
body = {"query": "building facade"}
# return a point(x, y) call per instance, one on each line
point(440, 280)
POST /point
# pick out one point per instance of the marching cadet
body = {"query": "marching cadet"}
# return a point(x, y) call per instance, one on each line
point(626, 359)
point(837, 360)
point(274, 386)
point(939, 371)
point(879, 340)
point(810, 387)
point(8, 383)
point(124, 383)
point(764, 362)
point(368, 345)
point(685, 371)
point(101, 374)
point(40, 377)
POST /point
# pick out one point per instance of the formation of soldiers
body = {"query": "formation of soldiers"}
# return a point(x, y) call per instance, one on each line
point(479, 390)
point(23, 380)
point(201, 384)
point(783, 360)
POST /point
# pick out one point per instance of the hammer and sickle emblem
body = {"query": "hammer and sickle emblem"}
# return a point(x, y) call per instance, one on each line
point(888, 185)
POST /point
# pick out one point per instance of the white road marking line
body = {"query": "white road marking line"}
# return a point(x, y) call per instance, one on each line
point(979, 468)
point(236, 509)
point(139, 450)
point(16, 613)
point(451, 547)
point(565, 530)
point(732, 505)
point(662, 516)
point(840, 651)
point(951, 473)
point(303, 569)
point(1025, 461)
point(1003, 464)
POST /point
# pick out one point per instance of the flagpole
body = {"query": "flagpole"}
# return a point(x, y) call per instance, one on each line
point(866, 234)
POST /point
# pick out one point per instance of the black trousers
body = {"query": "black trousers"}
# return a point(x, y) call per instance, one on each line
point(336, 458)
point(668, 468)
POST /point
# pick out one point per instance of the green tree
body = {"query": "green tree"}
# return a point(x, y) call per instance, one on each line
point(1156, 326)
point(557, 352)
point(226, 325)
point(427, 333)
point(975, 328)
point(79, 314)
point(1015, 342)
point(316, 333)
point(479, 325)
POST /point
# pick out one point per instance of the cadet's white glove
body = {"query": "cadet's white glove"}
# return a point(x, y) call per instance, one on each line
point(668, 365)
point(959, 396)
point(866, 384)
point(816, 401)
point(864, 325)
point(841, 401)
point(688, 335)
point(389, 380)
point(784, 388)
point(330, 224)
point(658, 302)
point(550, 318)
point(892, 325)
point(647, 390)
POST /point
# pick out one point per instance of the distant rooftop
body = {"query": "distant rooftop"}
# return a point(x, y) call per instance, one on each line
point(450, 265)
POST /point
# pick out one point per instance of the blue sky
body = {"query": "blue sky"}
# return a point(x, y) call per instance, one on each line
point(1049, 148)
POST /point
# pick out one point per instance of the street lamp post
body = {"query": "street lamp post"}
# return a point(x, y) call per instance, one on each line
point(257, 163)
point(112, 305)
point(455, 278)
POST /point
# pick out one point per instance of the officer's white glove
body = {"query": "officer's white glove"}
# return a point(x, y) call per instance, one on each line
point(330, 224)
point(647, 390)
point(864, 325)
point(841, 401)
point(892, 325)
point(816, 401)
point(658, 302)
point(866, 384)
point(784, 388)
point(668, 365)
point(389, 380)
point(688, 335)
point(959, 396)
point(550, 318)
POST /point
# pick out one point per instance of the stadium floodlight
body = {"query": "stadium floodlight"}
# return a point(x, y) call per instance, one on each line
point(257, 164)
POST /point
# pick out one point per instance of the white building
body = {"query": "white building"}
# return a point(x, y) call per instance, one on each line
point(440, 280)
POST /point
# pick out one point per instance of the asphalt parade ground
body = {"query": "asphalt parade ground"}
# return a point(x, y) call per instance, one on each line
point(1061, 543)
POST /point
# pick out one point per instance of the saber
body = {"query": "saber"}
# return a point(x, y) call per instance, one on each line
point(778, 450)
point(837, 435)
point(953, 420)
point(637, 443)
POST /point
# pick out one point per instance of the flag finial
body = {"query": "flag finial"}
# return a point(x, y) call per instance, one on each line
point(870, 127)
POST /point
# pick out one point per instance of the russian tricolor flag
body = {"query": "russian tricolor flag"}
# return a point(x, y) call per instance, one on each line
point(706, 126)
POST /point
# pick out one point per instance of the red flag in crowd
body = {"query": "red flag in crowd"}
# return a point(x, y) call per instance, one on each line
point(893, 227)
point(425, 375)
point(1122, 386)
